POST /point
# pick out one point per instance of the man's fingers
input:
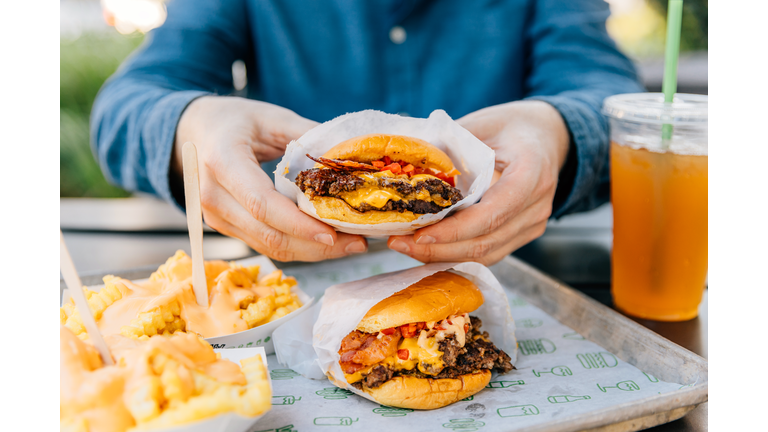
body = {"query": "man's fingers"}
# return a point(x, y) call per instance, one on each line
point(228, 217)
point(502, 202)
point(485, 250)
point(476, 249)
point(241, 176)
point(280, 126)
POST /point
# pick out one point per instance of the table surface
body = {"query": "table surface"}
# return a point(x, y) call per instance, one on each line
point(106, 235)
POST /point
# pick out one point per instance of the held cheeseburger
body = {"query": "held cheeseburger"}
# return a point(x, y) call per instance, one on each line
point(420, 349)
point(374, 179)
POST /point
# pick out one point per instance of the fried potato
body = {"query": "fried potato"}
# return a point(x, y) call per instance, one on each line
point(258, 298)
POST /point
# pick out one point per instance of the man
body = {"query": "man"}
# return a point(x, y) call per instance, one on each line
point(526, 77)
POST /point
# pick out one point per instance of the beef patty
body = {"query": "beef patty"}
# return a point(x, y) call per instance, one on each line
point(330, 183)
point(476, 354)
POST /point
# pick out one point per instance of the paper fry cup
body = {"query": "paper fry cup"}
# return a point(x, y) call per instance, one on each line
point(470, 156)
point(344, 305)
point(260, 336)
point(232, 421)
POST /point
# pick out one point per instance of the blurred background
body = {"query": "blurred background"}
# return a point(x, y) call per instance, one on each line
point(97, 35)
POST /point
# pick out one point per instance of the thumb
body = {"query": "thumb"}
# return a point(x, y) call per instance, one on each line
point(298, 126)
point(480, 124)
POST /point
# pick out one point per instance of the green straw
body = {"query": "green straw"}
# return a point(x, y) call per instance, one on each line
point(671, 54)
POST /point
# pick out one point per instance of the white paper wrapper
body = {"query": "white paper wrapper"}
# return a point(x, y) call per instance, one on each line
point(260, 336)
point(471, 157)
point(559, 373)
point(344, 305)
point(229, 422)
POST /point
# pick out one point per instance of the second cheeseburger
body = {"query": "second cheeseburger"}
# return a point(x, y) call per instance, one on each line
point(378, 178)
point(420, 349)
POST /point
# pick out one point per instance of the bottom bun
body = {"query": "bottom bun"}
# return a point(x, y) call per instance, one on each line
point(427, 393)
point(338, 209)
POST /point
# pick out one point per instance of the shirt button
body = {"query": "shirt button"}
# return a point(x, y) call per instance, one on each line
point(397, 35)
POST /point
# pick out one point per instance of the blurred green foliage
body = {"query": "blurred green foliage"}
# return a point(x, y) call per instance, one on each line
point(693, 33)
point(86, 62)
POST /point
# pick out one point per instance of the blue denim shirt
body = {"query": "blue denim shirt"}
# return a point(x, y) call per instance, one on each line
point(322, 59)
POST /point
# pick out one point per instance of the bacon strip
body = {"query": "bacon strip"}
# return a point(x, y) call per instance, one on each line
point(360, 350)
point(344, 165)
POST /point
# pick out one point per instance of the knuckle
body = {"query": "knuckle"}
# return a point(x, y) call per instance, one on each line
point(282, 255)
point(207, 198)
point(211, 160)
point(546, 212)
point(424, 254)
point(496, 221)
point(273, 240)
point(479, 249)
point(256, 205)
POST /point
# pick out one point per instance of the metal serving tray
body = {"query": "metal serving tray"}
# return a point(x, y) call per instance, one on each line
point(617, 334)
point(623, 337)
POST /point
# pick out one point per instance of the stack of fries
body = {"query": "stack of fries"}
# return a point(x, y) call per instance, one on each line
point(156, 383)
point(253, 300)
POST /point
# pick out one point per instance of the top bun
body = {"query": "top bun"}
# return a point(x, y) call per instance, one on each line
point(368, 148)
point(433, 298)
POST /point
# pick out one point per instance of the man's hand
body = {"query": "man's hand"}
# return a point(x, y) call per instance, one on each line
point(531, 143)
point(238, 198)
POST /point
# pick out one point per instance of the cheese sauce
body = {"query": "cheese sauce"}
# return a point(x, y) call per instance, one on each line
point(96, 394)
point(423, 351)
point(227, 288)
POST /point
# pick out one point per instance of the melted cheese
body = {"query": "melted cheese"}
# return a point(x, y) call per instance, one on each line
point(375, 196)
point(455, 328)
point(423, 353)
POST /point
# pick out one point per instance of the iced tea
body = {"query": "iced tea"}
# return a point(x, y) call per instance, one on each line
point(659, 232)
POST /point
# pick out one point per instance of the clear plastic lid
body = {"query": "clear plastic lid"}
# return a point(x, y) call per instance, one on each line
point(686, 109)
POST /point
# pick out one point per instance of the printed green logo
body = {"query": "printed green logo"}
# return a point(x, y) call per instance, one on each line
point(557, 371)
point(567, 398)
point(334, 421)
point(288, 428)
point(573, 336)
point(597, 360)
point(285, 400)
point(504, 384)
point(650, 377)
point(623, 385)
point(518, 411)
point(530, 323)
point(282, 374)
point(536, 346)
point(333, 393)
point(386, 411)
point(518, 302)
point(467, 399)
point(464, 425)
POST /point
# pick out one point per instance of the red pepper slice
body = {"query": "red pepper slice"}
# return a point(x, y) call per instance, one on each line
point(466, 328)
point(403, 354)
point(394, 167)
point(411, 330)
point(378, 164)
point(408, 168)
point(388, 331)
point(386, 160)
